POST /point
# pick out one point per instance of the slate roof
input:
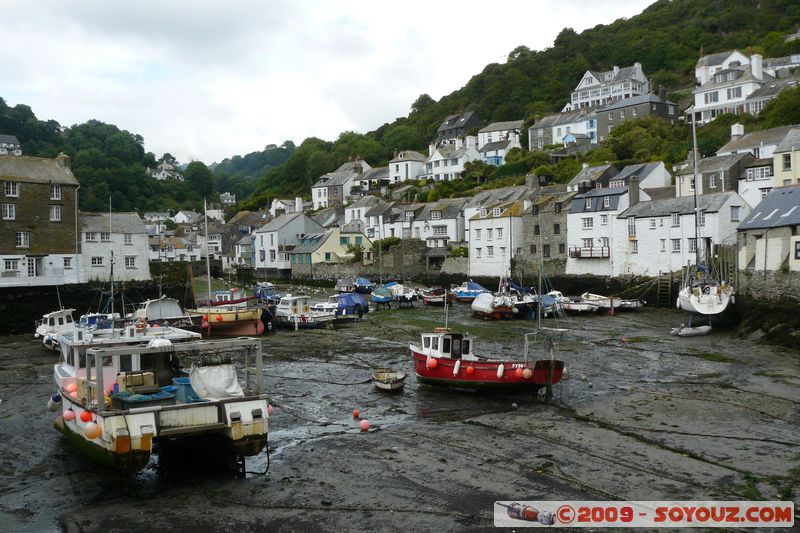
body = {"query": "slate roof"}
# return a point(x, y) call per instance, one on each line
point(624, 73)
point(635, 100)
point(746, 75)
point(756, 139)
point(450, 209)
point(714, 59)
point(120, 222)
point(497, 145)
point(713, 164)
point(455, 121)
point(780, 208)
point(578, 204)
point(515, 208)
point(501, 194)
point(641, 170)
point(378, 173)
point(317, 240)
point(329, 216)
point(35, 170)
point(565, 117)
point(408, 155)
point(660, 193)
point(591, 174)
point(379, 208)
point(710, 203)
point(502, 126)
point(247, 239)
point(773, 88)
point(278, 222)
point(790, 142)
point(8, 139)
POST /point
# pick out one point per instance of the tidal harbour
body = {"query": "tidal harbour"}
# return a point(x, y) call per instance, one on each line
point(640, 415)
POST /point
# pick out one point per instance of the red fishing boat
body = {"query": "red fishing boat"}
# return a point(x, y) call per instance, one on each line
point(446, 358)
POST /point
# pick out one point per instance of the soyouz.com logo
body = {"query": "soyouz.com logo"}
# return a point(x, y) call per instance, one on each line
point(705, 514)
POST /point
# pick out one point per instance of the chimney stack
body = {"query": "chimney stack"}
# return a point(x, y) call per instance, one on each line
point(633, 189)
point(756, 62)
point(298, 204)
point(662, 94)
point(737, 131)
point(64, 161)
point(616, 70)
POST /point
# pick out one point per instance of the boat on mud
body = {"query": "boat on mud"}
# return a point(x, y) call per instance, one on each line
point(611, 302)
point(468, 291)
point(437, 295)
point(296, 312)
point(401, 294)
point(574, 304)
point(493, 307)
point(446, 358)
point(118, 397)
point(346, 306)
point(364, 286)
point(166, 311)
point(388, 379)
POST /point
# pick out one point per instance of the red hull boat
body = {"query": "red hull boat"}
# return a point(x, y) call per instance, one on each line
point(445, 358)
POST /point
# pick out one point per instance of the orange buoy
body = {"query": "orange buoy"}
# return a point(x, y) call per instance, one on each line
point(470, 370)
point(431, 363)
point(86, 416)
point(218, 318)
point(364, 425)
point(92, 430)
point(519, 372)
point(527, 373)
point(355, 413)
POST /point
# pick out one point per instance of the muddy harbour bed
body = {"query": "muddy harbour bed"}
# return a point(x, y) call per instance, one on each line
point(641, 415)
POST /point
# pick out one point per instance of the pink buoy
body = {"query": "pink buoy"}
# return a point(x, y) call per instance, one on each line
point(156, 325)
point(69, 415)
point(73, 395)
point(92, 430)
point(355, 413)
point(71, 387)
point(364, 425)
point(204, 324)
point(431, 363)
point(269, 409)
point(527, 373)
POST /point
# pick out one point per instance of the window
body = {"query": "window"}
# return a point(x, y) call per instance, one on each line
point(797, 250)
point(436, 215)
point(603, 220)
point(603, 242)
point(535, 209)
point(632, 226)
point(9, 212)
point(712, 181)
point(588, 203)
point(327, 257)
point(634, 247)
point(478, 234)
point(478, 252)
point(676, 219)
point(55, 192)
point(533, 248)
point(67, 263)
point(12, 189)
point(734, 92)
point(502, 251)
point(483, 213)
point(622, 114)
point(562, 248)
point(701, 217)
point(676, 245)
point(556, 229)
point(272, 255)
point(105, 236)
point(692, 245)
point(496, 212)
point(735, 213)
point(55, 213)
point(587, 243)
point(546, 250)
point(11, 264)
point(23, 239)
point(558, 207)
point(97, 261)
point(663, 245)
point(611, 116)
point(130, 261)
point(606, 201)
point(787, 163)
point(489, 233)
point(409, 215)
point(711, 97)
point(440, 230)
point(490, 251)
point(345, 241)
point(588, 223)
point(519, 251)
point(128, 238)
point(499, 233)
point(691, 184)
point(652, 223)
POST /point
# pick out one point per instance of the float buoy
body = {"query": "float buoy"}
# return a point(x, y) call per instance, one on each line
point(457, 367)
point(54, 403)
point(500, 370)
point(470, 370)
point(431, 363)
point(355, 413)
point(86, 416)
point(69, 415)
point(92, 430)
point(364, 425)
point(519, 372)
point(527, 373)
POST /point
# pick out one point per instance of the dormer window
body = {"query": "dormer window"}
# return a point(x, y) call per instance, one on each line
point(496, 211)
point(606, 201)
point(483, 213)
point(409, 215)
point(588, 203)
point(436, 215)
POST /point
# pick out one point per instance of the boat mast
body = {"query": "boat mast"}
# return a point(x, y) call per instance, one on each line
point(541, 269)
point(208, 261)
point(112, 267)
point(694, 177)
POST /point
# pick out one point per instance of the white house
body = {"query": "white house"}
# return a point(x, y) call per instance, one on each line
point(165, 171)
point(715, 174)
point(598, 88)
point(710, 64)
point(121, 237)
point(499, 131)
point(446, 161)
point(275, 240)
point(9, 145)
point(552, 129)
point(440, 223)
point(227, 198)
point(489, 197)
point(406, 165)
point(659, 235)
point(726, 90)
point(243, 251)
point(756, 182)
point(215, 212)
point(768, 238)
point(594, 234)
point(760, 143)
point(496, 237)
point(280, 205)
point(786, 160)
point(334, 187)
point(186, 217)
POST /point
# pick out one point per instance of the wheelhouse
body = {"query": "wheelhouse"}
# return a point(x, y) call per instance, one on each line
point(449, 345)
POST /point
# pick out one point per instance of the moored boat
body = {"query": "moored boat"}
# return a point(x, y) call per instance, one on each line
point(573, 304)
point(468, 291)
point(495, 307)
point(296, 312)
point(166, 311)
point(388, 379)
point(382, 296)
point(446, 358)
point(52, 324)
point(611, 302)
point(437, 296)
point(345, 285)
point(364, 286)
point(229, 320)
point(119, 396)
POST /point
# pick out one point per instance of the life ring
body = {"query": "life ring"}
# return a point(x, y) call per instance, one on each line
point(305, 309)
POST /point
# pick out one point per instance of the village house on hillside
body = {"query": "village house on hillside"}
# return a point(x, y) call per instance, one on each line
point(329, 247)
point(768, 237)
point(786, 160)
point(545, 230)
point(496, 139)
point(334, 187)
point(275, 240)
point(716, 174)
point(118, 237)
point(599, 88)
point(496, 233)
point(39, 242)
point(446, 161)
point(406, 165)
point(588, 176)
point(9, 145)
point(455, 126)
point(552, 129)
point(165, 171)
point(636, 107)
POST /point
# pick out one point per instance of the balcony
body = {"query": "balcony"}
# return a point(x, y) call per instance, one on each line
point(595, 252)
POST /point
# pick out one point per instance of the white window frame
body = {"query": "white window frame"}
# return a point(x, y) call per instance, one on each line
point(130, 261)
point(606, 201)
point(9, 211)
point(490, 251)
point(97, 261)
point(12, 189)
point(23, 239)
point(603, 220)
point(587, 223)
point(55, 213)
point(55, 191)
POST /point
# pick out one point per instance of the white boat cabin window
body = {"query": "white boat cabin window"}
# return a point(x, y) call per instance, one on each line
point(445, 345)
point(426, 342)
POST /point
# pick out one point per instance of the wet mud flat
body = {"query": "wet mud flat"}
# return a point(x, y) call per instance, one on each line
point(642, 415)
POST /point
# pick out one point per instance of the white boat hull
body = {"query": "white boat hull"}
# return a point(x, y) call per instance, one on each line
point(686, 331)
point(696, 300)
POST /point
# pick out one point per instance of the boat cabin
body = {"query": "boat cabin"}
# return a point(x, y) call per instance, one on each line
point(293, 305)
point(447, 345)
point(54, 323)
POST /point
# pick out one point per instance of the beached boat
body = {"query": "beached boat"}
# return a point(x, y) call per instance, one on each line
point(52, 324)
point(382, 296)
point(573, 304)
point(388, 379)
point(704, 296)
point(118, 397)
point(346, 306)
point(446, 358)
point(229, 321)
point(296, 312)
point(437, 296)
point(364, 286)
point(401, 293)
point(611, 302)
point(468, 291)
point(166, 311)
point(495, 307)
point(689, 331)
point(266, 293)
point(345, 285)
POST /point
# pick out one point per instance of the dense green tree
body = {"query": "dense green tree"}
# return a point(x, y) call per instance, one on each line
point(199, 178)
point(783, 110)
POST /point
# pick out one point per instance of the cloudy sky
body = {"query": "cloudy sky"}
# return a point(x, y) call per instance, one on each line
point(207, 80)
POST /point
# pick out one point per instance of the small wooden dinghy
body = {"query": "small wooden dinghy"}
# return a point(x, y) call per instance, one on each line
point(688, 331)
point(388, 379)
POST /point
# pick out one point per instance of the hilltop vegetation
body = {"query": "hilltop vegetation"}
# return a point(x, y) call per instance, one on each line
point(666, 39)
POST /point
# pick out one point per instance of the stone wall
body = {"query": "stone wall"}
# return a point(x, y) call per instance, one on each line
point(455, 265)
point(773, 285)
